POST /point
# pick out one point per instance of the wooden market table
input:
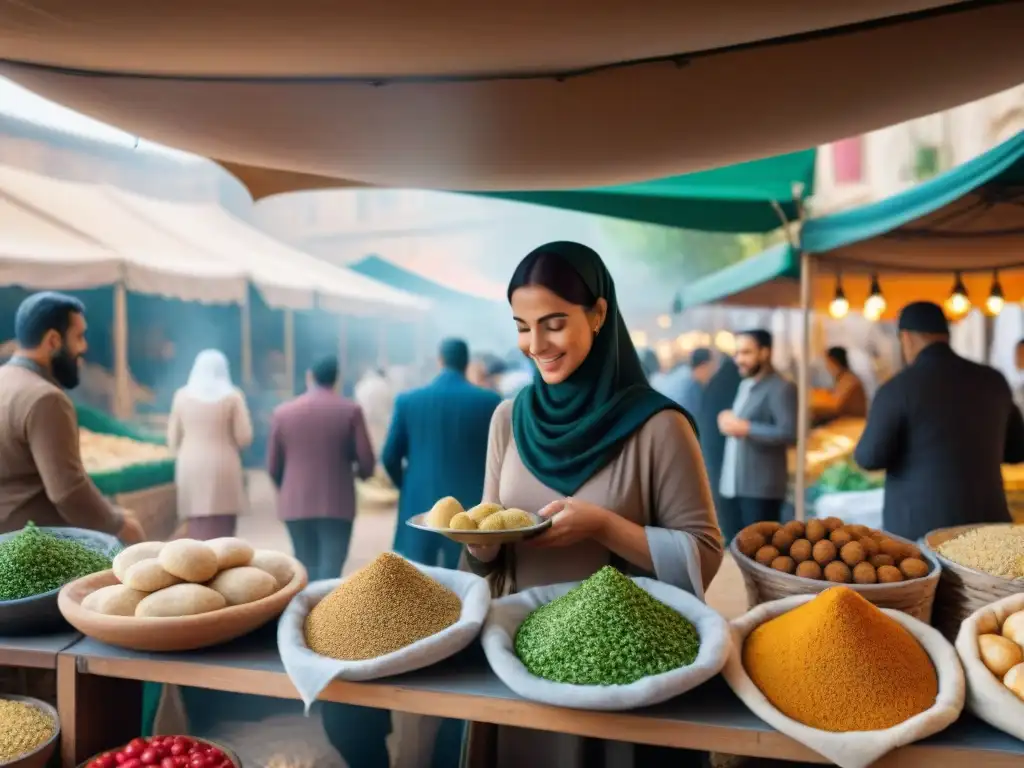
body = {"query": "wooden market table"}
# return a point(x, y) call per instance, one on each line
point(97, 680)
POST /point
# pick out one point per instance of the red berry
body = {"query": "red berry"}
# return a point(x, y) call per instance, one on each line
point(133, 763)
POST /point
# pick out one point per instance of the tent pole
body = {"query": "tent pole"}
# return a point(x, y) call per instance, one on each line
point(289, 349)
point(343, 346)
point(246, 340)
point(382, 343)
point(803, 416)
point(122, 405)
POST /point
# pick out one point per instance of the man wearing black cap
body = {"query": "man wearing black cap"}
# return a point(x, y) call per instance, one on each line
point(940, 429)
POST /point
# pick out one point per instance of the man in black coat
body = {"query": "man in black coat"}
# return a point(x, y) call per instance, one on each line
point(940, 429)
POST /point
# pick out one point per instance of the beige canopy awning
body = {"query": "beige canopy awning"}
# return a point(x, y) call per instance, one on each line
point(506, 96)
point(287, 277)
point(62, 235)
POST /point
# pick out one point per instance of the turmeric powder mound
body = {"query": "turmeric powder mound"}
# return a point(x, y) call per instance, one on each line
point(838, 663)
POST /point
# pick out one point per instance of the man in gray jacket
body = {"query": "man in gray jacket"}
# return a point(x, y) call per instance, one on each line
point(759, 429)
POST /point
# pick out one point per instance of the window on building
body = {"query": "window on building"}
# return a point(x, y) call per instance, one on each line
point(848, 160)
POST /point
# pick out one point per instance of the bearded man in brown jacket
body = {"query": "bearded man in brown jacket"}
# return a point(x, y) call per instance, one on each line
point(42, 478)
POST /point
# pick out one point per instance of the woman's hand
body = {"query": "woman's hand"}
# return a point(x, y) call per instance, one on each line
point(572, 521)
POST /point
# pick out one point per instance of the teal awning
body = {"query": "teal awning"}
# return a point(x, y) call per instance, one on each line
point(737, 198)
point(771, 278)
point(386, 272)
point(969, 218)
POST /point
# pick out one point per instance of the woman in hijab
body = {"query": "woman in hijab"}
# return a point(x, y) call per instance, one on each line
point(208, 429)
point(614, 464)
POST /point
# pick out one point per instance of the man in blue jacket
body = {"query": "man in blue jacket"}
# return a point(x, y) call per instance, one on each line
point(436, 447)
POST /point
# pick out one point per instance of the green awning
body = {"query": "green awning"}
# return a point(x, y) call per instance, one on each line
point(737, 198)
point(771, 278)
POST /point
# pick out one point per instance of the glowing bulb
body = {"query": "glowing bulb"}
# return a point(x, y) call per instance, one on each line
point(874, 307)
point(664, 321)
point(725, 342)
point(839, 307)
point(958, 305)
point(639, 338)
point(995, 302)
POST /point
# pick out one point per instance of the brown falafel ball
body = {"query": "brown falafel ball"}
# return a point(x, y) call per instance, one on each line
point(909, 550)
point(824, 552)
point(801, 550)
point(914, 568)
point(766, 554)
point(832, 524)
point(809, 570)
point(870, 546)
point(784, 564)
point(879, 560)
point(748, 541)
point(840, 537)
point(864, 573)
point(838, 571)
point(889, 574)
point(892, 548)
point(767, 528)
point(858, 530)
point(852, 553)
point(795, 528)
point(782, 540)
point(815, 531)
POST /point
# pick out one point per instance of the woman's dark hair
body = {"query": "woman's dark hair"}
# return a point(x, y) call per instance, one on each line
point(551, 271)
point(838, 356)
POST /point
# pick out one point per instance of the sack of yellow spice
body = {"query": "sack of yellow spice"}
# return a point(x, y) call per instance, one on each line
point(843, 677)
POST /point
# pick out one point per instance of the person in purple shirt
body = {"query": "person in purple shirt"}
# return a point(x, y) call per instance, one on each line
point(318, 446)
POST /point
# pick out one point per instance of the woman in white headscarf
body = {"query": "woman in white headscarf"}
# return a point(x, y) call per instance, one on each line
point(208, 429)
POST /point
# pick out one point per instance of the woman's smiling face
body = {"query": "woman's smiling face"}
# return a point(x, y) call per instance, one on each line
point(556, 334)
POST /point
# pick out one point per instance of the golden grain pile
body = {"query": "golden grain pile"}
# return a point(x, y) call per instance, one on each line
point(995, 549)
point(23, 729)
point(382, 608)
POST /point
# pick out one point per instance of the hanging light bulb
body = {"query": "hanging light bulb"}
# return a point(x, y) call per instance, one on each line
point(875, 305)
point(664, 321)
point(677, 304)
point(839, 306)
point(995, 302)
point(958, 305)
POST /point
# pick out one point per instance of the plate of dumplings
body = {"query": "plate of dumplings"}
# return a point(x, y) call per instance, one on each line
point(484, 524)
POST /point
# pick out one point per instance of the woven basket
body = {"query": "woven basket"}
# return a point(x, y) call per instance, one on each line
point(912, 597)
point(962, 590)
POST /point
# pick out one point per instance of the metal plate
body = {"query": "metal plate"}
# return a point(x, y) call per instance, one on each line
point(483, 538)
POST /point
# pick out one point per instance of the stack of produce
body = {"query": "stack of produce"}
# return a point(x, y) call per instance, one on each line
point(831, 550)
point(837, 663)
point(449, 514)
point(187, 577)
point(382, 608)
point(1001, 648)
point(111, 453)
point(997, 550)
point(164, 752)
point(33, 562)
point(23, 729)
point(606, 631)
point(845, 476)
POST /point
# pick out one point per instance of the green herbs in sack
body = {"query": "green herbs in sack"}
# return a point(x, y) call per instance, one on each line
point(606, 631)
point(34, 561)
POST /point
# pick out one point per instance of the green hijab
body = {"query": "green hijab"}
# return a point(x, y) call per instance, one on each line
point(567, 432)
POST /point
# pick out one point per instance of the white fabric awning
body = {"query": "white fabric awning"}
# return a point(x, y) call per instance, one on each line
point(287, 277)
point(63, 235)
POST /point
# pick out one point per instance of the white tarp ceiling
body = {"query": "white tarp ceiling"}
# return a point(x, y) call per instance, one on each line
point(506, 96)
point(284, 275)
point(62, 235)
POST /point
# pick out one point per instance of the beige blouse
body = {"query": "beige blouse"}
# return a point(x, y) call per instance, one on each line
point(658, 480)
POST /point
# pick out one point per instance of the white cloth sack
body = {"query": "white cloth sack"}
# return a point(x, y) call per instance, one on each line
point(311, 673)
point(987, 697)
point(509, 612)
point(854, 749)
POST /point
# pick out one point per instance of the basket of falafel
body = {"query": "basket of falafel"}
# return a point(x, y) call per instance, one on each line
point(800, 558)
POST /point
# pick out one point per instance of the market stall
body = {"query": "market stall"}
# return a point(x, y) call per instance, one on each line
point(954, 240)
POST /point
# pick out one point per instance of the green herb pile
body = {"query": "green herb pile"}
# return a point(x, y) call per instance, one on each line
point(35, 561)
point(607, 631)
